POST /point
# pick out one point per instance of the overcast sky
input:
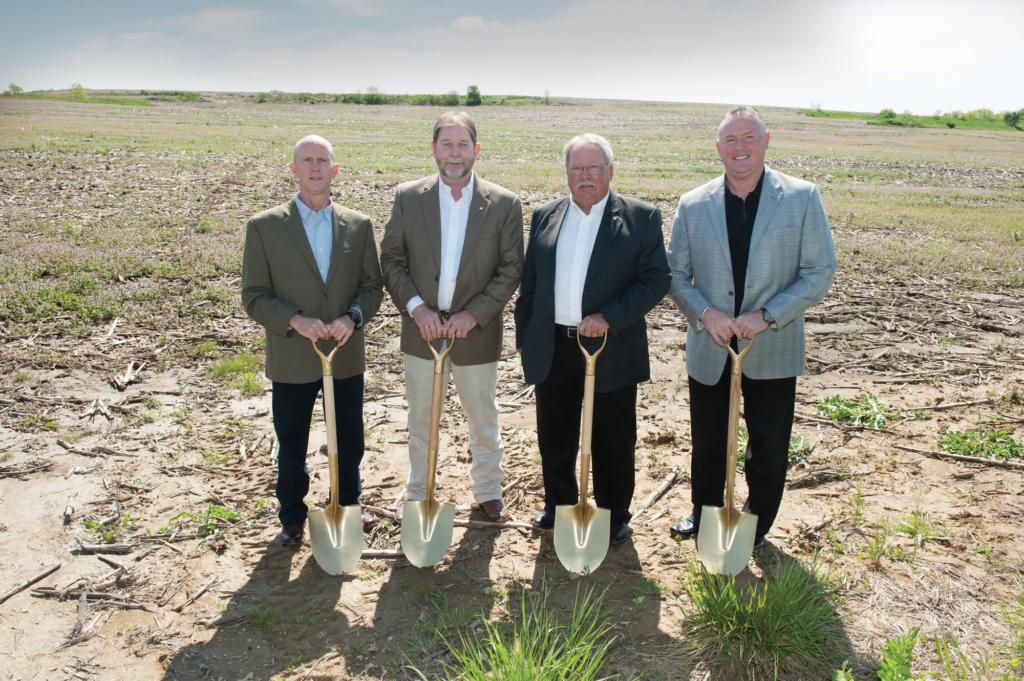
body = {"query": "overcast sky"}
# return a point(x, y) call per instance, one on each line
point(858, 55)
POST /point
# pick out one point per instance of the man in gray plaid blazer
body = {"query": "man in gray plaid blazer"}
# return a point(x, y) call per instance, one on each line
point(750, 251)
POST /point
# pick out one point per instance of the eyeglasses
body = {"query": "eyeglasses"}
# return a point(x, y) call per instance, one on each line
point(592, 169)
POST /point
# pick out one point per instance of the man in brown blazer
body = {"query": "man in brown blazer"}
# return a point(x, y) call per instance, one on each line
point(310, 273)
point(452, 255)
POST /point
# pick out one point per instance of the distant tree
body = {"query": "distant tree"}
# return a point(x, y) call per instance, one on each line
point(373, 96)
point(77, 93)
point(950, 125)
point(451, 98)
point(12, 90)
point(887, 113)
point(547, 96)
point(473, 96)
point(1012, 118)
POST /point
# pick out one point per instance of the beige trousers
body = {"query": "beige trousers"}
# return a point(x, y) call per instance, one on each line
point(477, 392)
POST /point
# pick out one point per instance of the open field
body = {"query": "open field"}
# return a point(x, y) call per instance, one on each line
point(121, 336)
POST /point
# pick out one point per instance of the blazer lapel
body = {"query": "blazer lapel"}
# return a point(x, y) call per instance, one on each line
point(293, 221)
point(337, 243)
point(432, 218)
point(611, 225)
point(771, 194)
point(716, 211)
point(549, 238)
point(478, 208)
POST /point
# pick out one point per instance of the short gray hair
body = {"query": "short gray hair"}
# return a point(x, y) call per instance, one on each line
point(743, 111)
point(313, 139)
point(588, 138)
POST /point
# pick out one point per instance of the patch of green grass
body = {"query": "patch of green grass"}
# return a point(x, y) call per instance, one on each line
point(206, 350)
point(20, 376)
point(208, 520)
point(921, 526)
point(263, 618)
point(782, 626)
point(311, 613)
point(236, 364)
point(538, 646)
point(5, 456)
point(249, 384)
point(37, 422)
point(985, 444)
point(897, 657)
point(212, 455)
point(69, 227)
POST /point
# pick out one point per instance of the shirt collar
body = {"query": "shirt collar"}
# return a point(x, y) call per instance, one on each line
point(446, 191)
point(596, 210)
point(305, 211)
point(755, 193)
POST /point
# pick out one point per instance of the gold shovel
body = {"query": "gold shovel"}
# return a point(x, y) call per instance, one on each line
point(582, 531)
point(725, 538)
point(336, 532)
point(427, 525)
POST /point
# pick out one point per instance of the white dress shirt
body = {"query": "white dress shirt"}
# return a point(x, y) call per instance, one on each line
point(572, 258)
point(319, 227)
point(454, 216)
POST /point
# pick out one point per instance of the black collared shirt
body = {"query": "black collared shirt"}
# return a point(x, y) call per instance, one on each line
point(739, 220)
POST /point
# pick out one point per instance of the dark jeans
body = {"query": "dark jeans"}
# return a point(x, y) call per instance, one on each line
point(559, 411)
point(293, 405)
point(768, 412)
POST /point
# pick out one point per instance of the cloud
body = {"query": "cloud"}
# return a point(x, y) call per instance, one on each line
point(222, 22)
point(138, 39)
point(474, 23)
point(358, 7)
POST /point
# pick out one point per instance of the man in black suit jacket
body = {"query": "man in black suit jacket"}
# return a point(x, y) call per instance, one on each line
point(595, 263)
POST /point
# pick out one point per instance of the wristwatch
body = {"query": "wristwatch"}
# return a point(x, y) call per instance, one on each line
point(354, 316)
point(767, 316)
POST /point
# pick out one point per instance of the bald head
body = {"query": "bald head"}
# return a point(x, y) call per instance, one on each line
point(313, 140)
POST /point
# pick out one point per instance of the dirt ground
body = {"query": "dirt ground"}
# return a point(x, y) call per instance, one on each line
point(194, 596)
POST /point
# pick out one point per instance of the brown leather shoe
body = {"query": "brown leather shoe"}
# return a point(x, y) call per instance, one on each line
point(293, 534)
point(369, 520)
point(494, 510)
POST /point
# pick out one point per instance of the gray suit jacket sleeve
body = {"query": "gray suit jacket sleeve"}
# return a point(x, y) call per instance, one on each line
point(683, 293)
point(817, 266)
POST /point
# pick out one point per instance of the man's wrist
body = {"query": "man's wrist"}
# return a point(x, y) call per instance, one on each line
point(700, 317)
point(354, 315)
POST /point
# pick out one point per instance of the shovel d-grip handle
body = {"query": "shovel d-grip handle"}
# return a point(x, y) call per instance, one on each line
point(325, 360)
point(735, 388)
point(588, 418)
point(435, 415)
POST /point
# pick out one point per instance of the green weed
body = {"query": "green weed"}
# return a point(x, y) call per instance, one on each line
point(897, 657)
point(206, 350)
point(20, 376)
point(236, 364)
point(981, 443)
point(263, 618)
point(249, 384)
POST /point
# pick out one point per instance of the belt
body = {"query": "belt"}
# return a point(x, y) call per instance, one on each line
point(569, 331)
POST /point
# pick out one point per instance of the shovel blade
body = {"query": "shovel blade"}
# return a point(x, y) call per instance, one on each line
point(725, 548)
point(581, 537)
point(426, 531)
point(336, 537)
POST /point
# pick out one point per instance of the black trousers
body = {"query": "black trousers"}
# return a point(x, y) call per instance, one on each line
point(768, 412)
point(292, 405)
point(559, 413)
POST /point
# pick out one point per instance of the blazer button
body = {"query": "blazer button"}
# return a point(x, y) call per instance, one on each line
point(730, 294)
point(436, 279)
point(327, 295)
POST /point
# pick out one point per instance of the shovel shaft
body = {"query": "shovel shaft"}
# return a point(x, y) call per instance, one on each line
point(735, 387)
point(436, 403)
point(588, 428)
point(332, 424)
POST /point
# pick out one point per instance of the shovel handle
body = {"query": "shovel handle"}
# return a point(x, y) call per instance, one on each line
point(735, 388)
point(326, 360)
point(590, 376)
point(435, 415)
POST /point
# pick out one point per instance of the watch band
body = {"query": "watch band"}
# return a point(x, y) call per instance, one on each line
point(700, 317)
point(354, 316)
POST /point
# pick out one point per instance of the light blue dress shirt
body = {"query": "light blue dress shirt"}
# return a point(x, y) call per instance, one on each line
point(319, 226)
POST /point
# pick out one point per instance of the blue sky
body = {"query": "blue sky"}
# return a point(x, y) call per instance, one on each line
point(862, 55)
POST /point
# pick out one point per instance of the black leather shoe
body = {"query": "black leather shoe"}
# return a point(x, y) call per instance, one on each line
point(758, 542)
point(544, 520)
point(687, 527)
point(620, 532)
point(292, 535)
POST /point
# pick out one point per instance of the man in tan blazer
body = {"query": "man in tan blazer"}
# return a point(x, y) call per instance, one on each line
point(310, 273)
point(452, 255)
